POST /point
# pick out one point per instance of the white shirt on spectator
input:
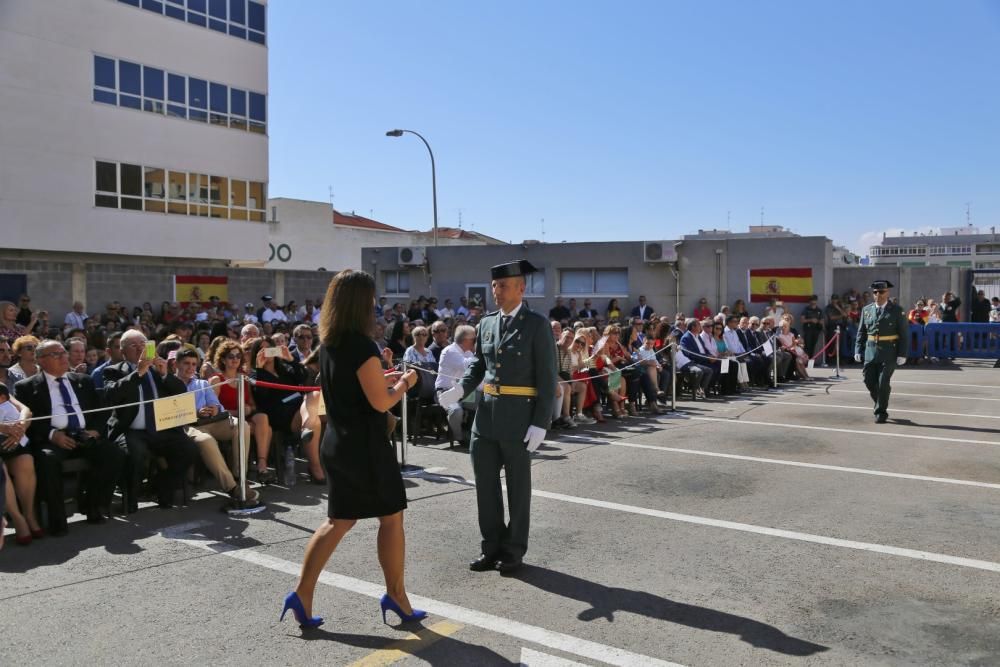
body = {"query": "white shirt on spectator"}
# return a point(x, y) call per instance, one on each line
point(271, 314)
point(75, 320)
point(645, 354)
point(446, 314)
point(59, 419)
point(452, 364)
point(462, 310)
point(10, 413)
point(708, 342)
point(732, 340)
point(680, 359)
point(411, 356)
point(250, 318)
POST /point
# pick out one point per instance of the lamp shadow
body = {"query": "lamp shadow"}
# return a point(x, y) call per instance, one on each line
point(604, 601)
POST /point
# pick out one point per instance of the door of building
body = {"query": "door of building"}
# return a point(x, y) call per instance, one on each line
point(12, 286)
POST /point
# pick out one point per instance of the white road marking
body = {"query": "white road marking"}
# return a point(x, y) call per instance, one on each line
point(900, 393)
point(797, 464)
point(531, 658)
point(915, 554)
point(522, 631)
point(861, 407)
point(944, 384)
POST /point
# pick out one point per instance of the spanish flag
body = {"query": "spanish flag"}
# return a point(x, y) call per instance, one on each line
point(200, 289)
point(791, 285)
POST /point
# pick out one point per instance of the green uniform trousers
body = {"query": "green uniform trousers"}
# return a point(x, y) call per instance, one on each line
point(488, 457)
point(880, 364)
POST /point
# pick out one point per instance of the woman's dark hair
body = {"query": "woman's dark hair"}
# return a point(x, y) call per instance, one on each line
point(396, 332)
point(253, 348)
point(348, 307)
point(613, 304)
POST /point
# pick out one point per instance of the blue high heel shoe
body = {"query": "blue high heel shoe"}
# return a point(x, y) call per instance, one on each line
point(388, 604)
point(293, 602)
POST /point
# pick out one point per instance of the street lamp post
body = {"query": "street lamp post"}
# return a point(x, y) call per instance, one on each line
point(399, 133)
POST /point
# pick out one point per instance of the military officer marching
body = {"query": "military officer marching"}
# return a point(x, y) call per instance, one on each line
point(516, 357)
point(883, 339)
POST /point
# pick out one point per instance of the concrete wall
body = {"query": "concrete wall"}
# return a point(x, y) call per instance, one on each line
point(911, 283)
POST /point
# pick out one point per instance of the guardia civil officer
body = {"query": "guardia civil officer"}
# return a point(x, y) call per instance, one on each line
point(883, 338)
point(516, 356)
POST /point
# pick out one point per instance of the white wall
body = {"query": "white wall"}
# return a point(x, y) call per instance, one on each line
point(52, 132)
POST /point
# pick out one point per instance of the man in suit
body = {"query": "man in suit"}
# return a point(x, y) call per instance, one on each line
point(700, 361)
point(515, 358)
point(140, 378)
point(883, 340)
point(643, 310)
point(64, 428)
point(587, 312)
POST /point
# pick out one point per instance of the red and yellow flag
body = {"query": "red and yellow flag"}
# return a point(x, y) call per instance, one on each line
point(200, 288)
point(792, 285)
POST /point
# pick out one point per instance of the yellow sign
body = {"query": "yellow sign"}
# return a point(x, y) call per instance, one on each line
point(174, 411)
point(321, 406)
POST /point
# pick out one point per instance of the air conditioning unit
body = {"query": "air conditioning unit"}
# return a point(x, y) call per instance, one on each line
point(412, 256)
point(659, 251)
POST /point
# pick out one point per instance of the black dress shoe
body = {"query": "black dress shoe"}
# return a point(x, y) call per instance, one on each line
point(509, 565)
point(881, 418)
point(96, 518)
point(484, 563)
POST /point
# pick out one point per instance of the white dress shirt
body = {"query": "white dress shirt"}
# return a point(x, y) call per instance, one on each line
point(271, 314)
point(10, 413)
point(708, 342)
point(732, 340)
point(452, 364)
point(60, 420)
point(75, 320)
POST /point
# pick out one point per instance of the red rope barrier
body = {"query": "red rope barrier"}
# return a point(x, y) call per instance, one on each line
point(834, 338)
point(286, 387)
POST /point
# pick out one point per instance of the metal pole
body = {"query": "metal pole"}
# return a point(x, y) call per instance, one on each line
point(241, 412)
point(774, 354)
point(405, 424)
point(836, 373)
point(673, 378)
point(434, 191)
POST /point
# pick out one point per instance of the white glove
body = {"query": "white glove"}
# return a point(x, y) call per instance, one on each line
point(533, 438)
point(450, 396)
point(857, 358)
point(900, 361)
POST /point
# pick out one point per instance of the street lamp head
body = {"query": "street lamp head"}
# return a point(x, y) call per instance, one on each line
point(394, 133)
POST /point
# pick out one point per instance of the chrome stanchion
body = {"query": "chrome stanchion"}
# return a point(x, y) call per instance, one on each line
point(405, 423)
point(673, 378)
point(774, 358)
point(241, 412)
point(836, 337)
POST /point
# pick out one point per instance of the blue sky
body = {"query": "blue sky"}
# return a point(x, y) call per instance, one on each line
point(641, 120)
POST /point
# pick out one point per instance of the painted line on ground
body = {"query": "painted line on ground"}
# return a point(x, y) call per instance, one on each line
point(945, 384)
point(869, 409)
point(900, 393)
point(504, 626)
point(784, 462)
point(408, 646)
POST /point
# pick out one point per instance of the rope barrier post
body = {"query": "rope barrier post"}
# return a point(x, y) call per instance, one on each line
point(673, 380)
point(836, 337)
point(774, 359)
point(405, 423)
point(241, 391)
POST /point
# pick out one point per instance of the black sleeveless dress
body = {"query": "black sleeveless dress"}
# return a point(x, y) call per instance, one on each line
point(360, 462)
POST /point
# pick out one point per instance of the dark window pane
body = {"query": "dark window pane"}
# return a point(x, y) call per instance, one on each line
point(176, 88)
point(197, 19)
point(105, 96)
point(197, 93)
point(258, 107)
point(152, 83)
point(129, 78)
point(132, 204)
point(107, 177)
point(153, 6)
point(197, 5)
point(130, 102)
point(237, 102)
point(255, 37)
point(219, 98)
point(134, 3)
point(175, 12)
point(236, 31)
point(107, 201)
point(176, 111)
point(200, 116)
point(104, 72)
point(238, 11)
point(217, 9)
point(132, 180)
point(255, 15)
point(219, 26)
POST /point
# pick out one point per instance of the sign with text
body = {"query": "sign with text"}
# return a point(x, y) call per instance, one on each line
point(174, 411)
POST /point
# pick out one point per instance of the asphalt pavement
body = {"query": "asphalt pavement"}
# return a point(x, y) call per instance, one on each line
point(781, 527)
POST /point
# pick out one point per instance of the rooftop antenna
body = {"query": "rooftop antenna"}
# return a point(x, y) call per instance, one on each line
point(728, 220)
point(762, 216)
point(543, 230)
point(331, 196)
point(459, 218)
point(371, 213)
point(968, 214)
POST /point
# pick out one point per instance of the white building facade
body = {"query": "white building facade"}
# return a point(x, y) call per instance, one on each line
point(956, 247)
point(134, 129)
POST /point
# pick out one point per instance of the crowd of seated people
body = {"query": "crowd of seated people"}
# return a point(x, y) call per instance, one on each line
point(81, 378)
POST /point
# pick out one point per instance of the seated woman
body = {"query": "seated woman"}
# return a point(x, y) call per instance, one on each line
point(229, 356)
point(280, 405)
point(398, 338)
point(614, 311)
point(729, 381)
point(19, 492)
point(312, 420)
point(580, 374)
point(616, 357)
point(25, 365)
point(788, 342)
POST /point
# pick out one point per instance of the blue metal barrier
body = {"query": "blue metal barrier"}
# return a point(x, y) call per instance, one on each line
point(917, 338)
point(969, 340)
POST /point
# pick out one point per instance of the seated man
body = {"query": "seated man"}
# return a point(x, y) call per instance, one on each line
point(214, 425)
point(70, 431)
point(140, 378)
point(455, 358)
point(784, 357)
point(693, 358)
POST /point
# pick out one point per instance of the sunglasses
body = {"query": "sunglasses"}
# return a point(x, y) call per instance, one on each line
point(301, 337)
point(29, 348)
point(234, 355)
point(878, 291)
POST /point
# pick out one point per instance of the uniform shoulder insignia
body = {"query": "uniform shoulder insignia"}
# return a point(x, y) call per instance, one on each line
point(492, 313)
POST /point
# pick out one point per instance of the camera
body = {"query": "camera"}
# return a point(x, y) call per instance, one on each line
point(83, 439)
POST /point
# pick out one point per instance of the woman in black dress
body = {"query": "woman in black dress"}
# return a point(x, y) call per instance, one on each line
point(360, 463)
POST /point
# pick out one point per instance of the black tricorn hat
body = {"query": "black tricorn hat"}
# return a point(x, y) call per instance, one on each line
point(880, 284)
point(521, 267)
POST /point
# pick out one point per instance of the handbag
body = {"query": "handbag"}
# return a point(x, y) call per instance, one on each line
point(741, 374)
point(221, 416)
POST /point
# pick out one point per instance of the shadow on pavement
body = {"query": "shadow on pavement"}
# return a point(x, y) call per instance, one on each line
point(431, 647)
point(605, 601)
point(947, 427)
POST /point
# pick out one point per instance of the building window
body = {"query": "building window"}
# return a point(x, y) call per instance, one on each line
point(610, 282)
point(127, 84)
point(397, 283)
point(244, 19)
point(156, 190)
point(535, 284)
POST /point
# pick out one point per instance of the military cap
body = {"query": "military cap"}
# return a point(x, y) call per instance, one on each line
point(880, 284)
point(521, 267)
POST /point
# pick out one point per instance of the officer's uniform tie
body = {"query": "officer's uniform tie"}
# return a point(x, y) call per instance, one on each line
point(504, 323)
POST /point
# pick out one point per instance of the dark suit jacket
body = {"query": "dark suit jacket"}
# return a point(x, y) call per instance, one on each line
point(121, 387)
point(691, 349)
point(34, 393)
point(642, 311)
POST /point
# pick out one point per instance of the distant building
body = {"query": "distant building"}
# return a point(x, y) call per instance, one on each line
point(958, 247)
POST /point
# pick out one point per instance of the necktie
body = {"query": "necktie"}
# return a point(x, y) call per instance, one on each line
point(504, 323)
point(150, 393)
point(73, 421)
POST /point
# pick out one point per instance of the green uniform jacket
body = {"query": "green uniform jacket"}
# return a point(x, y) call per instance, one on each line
point(892, 322)
point(525, 357)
